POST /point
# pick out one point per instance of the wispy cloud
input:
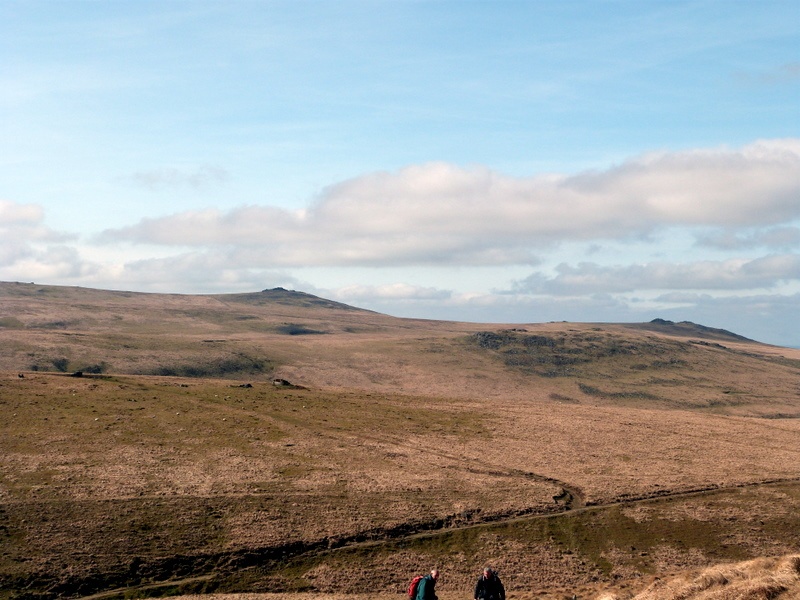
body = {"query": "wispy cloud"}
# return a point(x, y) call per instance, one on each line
point(168, 177)
point(734, 274)
point(392, 292)
point(210, 271)
point(776, 237)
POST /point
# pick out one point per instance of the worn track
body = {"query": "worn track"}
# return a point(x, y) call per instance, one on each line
point(203, 569)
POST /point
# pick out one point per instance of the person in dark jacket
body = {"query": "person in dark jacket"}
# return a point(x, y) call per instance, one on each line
point(426, 590)
point(489, 586)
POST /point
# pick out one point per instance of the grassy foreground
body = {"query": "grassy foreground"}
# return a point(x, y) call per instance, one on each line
point(115, 482)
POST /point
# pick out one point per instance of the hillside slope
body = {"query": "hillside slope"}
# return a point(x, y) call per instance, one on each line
point(602, 453)
point(322, 344)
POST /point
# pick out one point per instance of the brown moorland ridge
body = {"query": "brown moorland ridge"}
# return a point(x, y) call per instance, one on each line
point(571, 456)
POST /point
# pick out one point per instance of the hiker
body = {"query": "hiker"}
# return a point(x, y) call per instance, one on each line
point(489, 586)
point(426, 589)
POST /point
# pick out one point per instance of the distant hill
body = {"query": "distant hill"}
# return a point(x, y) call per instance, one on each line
point(687, 328)
point(256, 335)
point(276, 295)
point(280, 295)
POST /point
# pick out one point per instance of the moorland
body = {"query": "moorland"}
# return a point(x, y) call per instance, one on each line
point(162, 444)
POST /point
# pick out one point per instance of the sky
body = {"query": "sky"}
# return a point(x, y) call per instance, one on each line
point(492, 161)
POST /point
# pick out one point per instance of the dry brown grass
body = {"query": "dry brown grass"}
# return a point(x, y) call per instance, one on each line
point(244, 336)
point(759, 579)
point(401, 426)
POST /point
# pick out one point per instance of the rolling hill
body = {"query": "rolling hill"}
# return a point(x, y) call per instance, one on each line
point(276, 441)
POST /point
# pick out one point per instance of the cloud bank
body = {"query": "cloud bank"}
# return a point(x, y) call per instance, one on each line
point(440, 214)
point(734, 274)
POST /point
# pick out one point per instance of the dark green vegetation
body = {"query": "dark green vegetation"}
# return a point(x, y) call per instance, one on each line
point(656, 371)
point(616, 544)
point(111, 546)
point(572, 354)
point(570, 456)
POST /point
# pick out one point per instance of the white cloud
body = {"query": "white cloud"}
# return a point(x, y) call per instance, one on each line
point(53, 263)
point(19, 214)
point(29, 249)
point(591, 278)
point(443, 214)
point(24, 223)
point(207, 271)
point(392, 292)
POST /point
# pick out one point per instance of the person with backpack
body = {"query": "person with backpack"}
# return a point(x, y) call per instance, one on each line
point(489, 586)
point(424, 588)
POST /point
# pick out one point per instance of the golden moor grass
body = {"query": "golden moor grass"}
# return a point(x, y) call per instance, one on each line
point(570, 456)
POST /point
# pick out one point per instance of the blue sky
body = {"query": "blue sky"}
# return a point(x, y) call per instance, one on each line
point(487, 161)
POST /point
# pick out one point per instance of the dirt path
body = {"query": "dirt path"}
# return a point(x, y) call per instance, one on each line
point(570, 500)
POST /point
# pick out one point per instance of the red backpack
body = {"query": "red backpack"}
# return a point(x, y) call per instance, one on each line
point(412, 587)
